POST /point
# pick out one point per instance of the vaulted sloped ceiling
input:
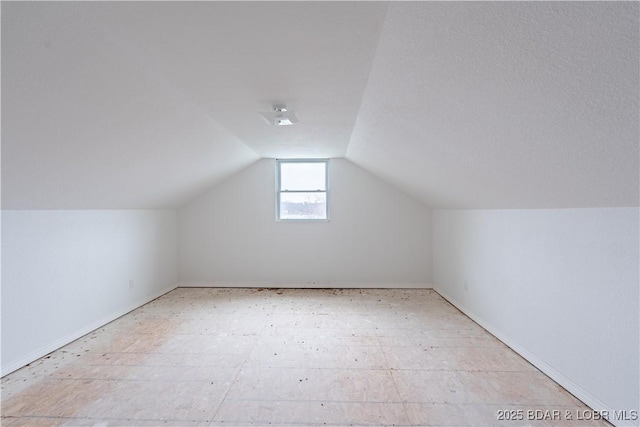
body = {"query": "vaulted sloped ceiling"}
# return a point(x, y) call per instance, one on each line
point(117, 105)
point(505, 105)
point(120, 105)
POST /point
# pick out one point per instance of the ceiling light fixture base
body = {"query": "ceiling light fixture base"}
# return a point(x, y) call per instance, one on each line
point(280, 116)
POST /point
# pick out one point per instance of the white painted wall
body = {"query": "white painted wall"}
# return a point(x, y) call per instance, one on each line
point(377, 236)
point(65, 273)
point(559, 286)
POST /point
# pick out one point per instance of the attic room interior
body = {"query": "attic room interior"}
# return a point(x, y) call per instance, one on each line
point(320, 213)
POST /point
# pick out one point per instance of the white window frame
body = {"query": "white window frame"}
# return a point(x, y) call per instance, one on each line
point(279, 191)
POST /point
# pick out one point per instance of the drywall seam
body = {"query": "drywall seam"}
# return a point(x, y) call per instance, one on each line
point(573, 388)
point(69, 338)
point(308, 285)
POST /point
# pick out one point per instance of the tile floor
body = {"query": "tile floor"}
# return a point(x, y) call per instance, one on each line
point(235, 357)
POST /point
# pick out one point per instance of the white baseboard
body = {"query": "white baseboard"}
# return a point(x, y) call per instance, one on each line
point(61, 342)
point(568, 384)
point(307, 285)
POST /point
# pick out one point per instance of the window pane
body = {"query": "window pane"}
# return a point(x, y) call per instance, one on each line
point(302, 176)
point(303, 205)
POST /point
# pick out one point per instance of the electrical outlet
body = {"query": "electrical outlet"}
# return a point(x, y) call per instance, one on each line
point(130, 284)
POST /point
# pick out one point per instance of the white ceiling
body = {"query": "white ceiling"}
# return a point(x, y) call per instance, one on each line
point(505, 105)
point(117, 105)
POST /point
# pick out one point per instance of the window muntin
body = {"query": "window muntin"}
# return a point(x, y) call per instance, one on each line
point(302, 190)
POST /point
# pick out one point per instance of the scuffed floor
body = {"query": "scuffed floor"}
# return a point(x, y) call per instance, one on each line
point(232, 357)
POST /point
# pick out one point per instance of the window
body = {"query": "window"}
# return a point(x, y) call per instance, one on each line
point(302, 190)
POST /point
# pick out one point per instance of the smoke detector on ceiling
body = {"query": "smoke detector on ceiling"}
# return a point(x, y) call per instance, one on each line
point(280, 116)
